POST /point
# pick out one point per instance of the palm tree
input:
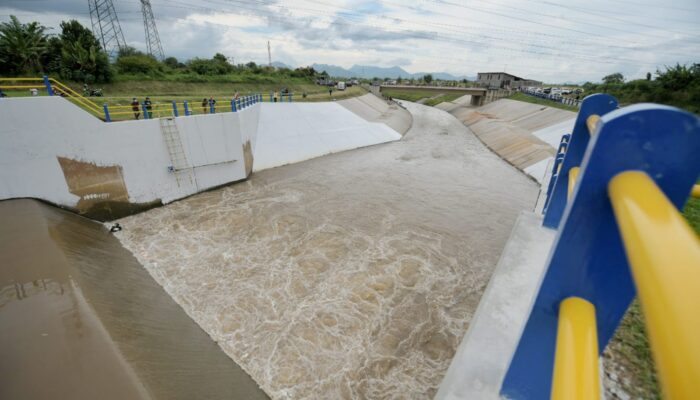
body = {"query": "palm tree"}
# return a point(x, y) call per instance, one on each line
point(21, 46)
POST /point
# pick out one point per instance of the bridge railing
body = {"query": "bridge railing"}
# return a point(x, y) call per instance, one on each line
point(615, 203)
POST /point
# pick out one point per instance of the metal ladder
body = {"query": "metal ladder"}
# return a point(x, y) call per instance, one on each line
point(180, 167)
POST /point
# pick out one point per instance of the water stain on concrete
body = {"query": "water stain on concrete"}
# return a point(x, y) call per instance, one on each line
point(102, 190)
point(81, 319)
point(248, 158)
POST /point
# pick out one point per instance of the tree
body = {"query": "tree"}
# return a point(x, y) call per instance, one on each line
point(127, 51)
point(678, 77)
point(399, 79)
point(172, 62)
point(648, 76)
point(614, 78)
point(427, 78)
point(22, 47)
point(82, 58)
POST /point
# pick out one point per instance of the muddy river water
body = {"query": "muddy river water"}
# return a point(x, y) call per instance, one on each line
point(351, 276)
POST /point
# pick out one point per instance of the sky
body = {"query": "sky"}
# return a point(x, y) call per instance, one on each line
point(547, 40)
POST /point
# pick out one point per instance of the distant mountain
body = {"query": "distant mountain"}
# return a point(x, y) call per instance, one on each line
point(369, 72)
point(279, 64)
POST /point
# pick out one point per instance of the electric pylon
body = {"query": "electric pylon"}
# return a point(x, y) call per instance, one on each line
point(105, 26)
point(153, 46)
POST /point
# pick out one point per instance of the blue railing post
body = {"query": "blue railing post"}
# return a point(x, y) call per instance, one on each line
point(106, 109)
point(175, 114)
point(47, 82)
point(290, 97)
point(233, 105)
point(145, 111)
point(187, 108)
point(588, 259)
point(271, 97)
point(238, 103)
point(599, 104)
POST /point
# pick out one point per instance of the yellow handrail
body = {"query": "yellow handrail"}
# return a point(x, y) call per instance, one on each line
point(22, 79)
point(573, 176)
point(592, 122)
point(664, 257)
point(576, 369)
point(78, 97)
point(22, 87)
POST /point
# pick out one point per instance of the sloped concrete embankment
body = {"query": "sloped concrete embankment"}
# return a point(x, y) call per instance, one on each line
point(293, 132)
point(81, 319)
point(525, 135)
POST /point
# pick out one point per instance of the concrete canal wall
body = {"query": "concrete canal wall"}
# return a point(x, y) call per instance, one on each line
point(52, 150)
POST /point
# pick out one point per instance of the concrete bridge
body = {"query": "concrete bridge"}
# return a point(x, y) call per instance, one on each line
point(478, 94)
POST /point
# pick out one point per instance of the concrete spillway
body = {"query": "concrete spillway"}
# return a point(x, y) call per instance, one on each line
point(352, 275)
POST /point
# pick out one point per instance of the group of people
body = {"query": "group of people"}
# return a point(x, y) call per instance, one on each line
point(136, 107)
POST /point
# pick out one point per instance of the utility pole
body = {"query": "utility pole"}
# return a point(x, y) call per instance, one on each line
point(105, 26)
point(153, 45)
point(269, 54)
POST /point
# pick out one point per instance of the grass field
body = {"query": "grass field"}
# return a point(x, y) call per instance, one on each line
point(536, 100)
point(119, 94)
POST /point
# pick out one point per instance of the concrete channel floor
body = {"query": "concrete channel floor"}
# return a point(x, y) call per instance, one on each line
point(352, 275)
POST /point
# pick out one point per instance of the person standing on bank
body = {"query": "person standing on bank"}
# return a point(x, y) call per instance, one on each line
point(148, 105)
point(135, 108)
point(212, 105)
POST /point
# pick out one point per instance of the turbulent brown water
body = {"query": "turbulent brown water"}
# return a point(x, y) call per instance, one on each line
point(353, 275)
point(81, 319)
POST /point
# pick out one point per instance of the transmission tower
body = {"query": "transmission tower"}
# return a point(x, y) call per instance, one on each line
point(153, 46)
point(105, 25)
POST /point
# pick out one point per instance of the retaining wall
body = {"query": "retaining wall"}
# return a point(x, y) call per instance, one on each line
point(52, 150)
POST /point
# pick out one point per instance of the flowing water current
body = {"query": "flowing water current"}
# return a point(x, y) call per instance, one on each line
point(350, 276)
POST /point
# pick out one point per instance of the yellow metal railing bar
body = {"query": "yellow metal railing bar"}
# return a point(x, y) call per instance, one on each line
point(664, 257)
point(21, 79)
point(22, 87)
point(573, 176)
point(576, 368)
point(592, 122)
point(78, 97)
point(695, 192)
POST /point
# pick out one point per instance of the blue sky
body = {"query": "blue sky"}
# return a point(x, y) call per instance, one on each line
point(550, 40)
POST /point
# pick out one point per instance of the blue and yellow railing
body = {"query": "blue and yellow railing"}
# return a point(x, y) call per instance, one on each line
point(621, 179)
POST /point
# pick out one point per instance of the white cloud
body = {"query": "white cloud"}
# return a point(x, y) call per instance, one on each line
point(550, 40)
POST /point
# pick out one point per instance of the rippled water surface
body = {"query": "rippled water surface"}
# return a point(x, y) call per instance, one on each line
point(353, 275)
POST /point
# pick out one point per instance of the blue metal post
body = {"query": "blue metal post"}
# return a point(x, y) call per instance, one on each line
point(145, 111)
point(187, 109)
point(271, 97)
point(175, 114)
point(290, 97)
point(233, 105)
point(588, 259)
point(106, 109)
point(47, 82)
point(238, 103)
point(599, 104)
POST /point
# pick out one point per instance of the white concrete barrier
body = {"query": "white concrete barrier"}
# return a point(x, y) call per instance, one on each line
point(52, 150)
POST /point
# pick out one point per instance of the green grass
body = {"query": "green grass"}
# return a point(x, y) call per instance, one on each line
point(415, 95)
point(444, 98)
point(536, 100)
point(630, 345)
point(119, 93)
